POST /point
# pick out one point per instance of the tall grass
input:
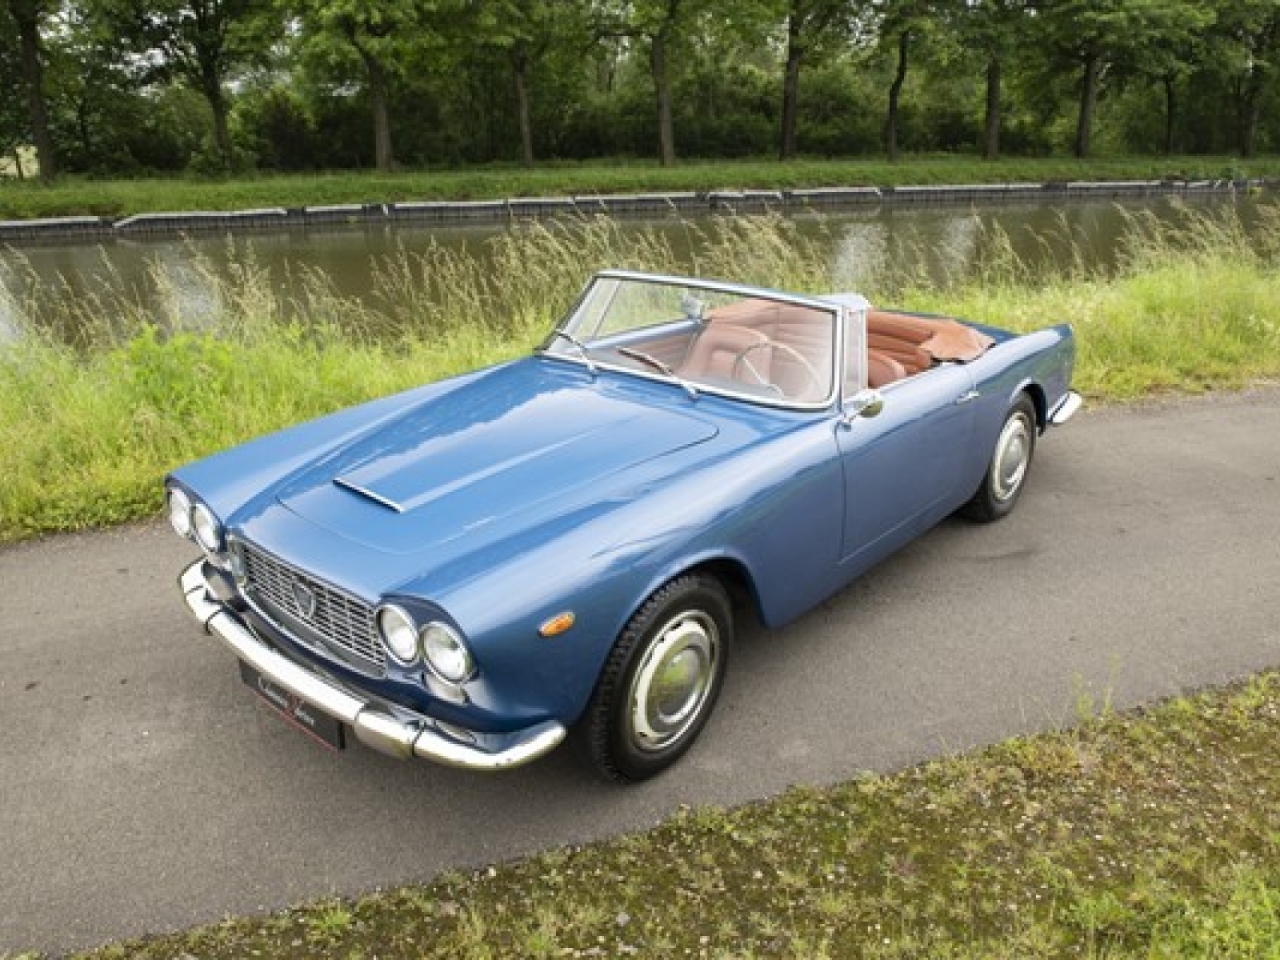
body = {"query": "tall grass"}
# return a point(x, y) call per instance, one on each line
point(1192, 304)
point(88, 428)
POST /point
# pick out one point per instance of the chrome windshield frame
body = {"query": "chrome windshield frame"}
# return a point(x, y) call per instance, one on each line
point(837, 311)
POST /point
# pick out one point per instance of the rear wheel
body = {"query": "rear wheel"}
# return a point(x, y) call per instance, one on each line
point(1006, 475)
point(660, 682)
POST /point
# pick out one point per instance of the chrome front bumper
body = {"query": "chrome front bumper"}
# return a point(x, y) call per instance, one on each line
point(1066, 409)
point(400, 734)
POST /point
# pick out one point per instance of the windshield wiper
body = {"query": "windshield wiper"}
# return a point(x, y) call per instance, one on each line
point(582, 350)
point(660, 366)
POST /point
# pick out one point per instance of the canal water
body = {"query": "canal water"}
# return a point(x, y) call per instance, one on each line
point(178, 280)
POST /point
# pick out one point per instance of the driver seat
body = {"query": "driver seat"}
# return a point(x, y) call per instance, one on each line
point(717, 349)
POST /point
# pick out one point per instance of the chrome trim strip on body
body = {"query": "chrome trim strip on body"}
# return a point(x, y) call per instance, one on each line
point(1066, 409)
point(356, 488)
point(400, 734)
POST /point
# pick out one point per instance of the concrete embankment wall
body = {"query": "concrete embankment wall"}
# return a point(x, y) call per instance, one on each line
point(495, 211)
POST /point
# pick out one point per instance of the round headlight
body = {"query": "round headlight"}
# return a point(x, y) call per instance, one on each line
point(180, 512)
point(446, 654)
point(206, 527)
point(399, 634)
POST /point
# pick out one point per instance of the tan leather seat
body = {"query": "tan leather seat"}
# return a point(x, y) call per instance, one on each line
point(718, 348)
point(919, 342)
point(883, 370)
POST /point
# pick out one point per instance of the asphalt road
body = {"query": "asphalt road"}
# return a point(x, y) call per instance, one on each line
point(142, 790)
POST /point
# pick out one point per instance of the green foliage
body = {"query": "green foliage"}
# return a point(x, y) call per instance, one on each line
point(451, 82)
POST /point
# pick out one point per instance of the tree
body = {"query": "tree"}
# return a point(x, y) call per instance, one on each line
point(657, 23)
point(806, 22)
point(996, 29)
point(200, 42)
point(526, 30)
point(382, 36)
point(28, 16)
point(901, 22)
point(1251, 30)
point(1096, 37)
point(1168, 48)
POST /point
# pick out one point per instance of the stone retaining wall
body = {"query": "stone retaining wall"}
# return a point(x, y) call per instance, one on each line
point(494, 211)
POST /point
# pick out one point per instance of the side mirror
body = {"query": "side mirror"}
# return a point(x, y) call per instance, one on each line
point(864, 403)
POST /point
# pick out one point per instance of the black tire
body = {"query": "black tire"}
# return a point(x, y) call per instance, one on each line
point(637, 725)
point(1006, 474)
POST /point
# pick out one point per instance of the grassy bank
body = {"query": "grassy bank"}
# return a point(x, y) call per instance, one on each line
point(20, 200)
point(88, 431)
point(1149, 835)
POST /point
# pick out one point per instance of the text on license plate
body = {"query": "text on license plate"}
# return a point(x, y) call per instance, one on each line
point(295, 711)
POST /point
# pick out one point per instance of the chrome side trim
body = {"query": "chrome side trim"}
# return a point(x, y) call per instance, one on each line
point(1066, 409)
point(402, 734)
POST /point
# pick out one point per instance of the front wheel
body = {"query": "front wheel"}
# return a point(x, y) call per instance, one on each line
point(660, 682)
point(1007, 473)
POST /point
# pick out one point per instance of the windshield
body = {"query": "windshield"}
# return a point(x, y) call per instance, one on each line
point(759, 346)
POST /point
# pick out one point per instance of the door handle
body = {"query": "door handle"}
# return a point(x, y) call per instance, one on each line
point(966, 397)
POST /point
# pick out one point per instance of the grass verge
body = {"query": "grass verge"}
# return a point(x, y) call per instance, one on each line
point(88, 431)
point(1152, 834)
point(29, 199)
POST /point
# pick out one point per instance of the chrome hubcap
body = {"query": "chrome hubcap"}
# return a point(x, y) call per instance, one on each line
point(1013, 451)
point(674, 680)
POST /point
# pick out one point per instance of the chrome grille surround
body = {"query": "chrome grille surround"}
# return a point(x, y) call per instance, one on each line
point(338, 624)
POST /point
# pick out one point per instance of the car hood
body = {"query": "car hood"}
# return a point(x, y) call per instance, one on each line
point(527, 441)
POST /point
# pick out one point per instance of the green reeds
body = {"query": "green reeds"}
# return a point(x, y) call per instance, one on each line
point(88, 428)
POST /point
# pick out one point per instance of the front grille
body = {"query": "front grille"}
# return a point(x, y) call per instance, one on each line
point(339, 621)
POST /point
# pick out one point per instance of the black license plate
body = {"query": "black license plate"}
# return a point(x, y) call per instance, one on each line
point(297, 713)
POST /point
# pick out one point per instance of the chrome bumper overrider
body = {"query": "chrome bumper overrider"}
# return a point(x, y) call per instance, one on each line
point(401, 734)
point(1065, 410)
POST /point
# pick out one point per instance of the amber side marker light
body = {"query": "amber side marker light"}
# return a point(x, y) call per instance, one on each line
point(557, 624)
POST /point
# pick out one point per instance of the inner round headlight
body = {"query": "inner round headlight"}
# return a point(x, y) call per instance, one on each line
point(206, 527)
point(399, 634)
point(180, 513)
point(446, 654)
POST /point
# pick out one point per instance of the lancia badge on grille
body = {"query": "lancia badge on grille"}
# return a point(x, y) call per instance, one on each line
point(305, 598)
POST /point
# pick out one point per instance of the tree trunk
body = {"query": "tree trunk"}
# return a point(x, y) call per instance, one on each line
point(520, 69)
point(212, 88)
point(662, 97)
point(27, 17)
point(382, 156)
point(895, 94)
point(791, 92)
point(17, 164)
point(1170, 112)
point(1088, 104)
point(991, 136)
point(1249, 126)
point(1249, 111)
point(82, 127)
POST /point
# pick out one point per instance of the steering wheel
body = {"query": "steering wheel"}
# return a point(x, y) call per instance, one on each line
point(741, 360)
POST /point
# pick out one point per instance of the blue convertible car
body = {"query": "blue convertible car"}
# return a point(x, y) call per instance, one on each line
point(469, 571)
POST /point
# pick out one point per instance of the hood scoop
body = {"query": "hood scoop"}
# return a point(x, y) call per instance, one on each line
point(376, 498)
point(439, 470)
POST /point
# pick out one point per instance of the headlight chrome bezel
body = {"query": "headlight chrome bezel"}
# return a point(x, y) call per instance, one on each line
point(447, 643)
point(399, 654)
point(179, 506)
point(437, 646)
point(206, 528)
